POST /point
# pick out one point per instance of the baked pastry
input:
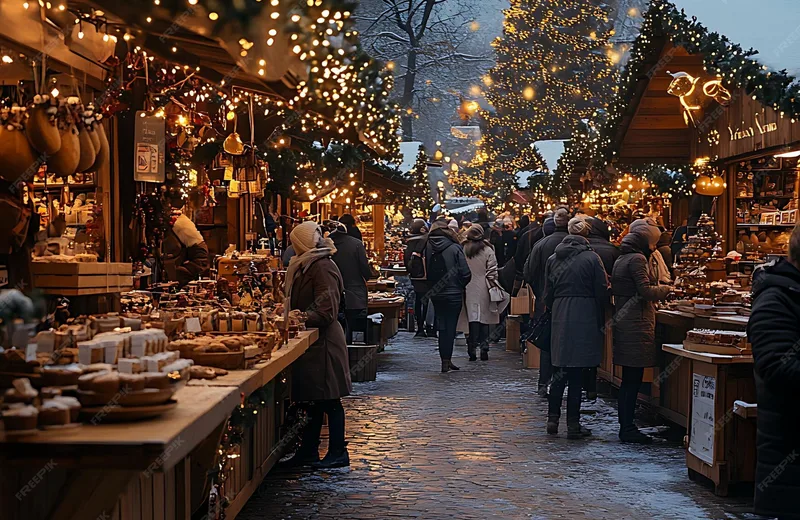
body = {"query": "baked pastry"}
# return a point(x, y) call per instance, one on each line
point(22, 392)
point(21, 418)
point(53, 413)
point(61, 375)
point(97, 367)
point(131, 382)
point(159, 380)
point(73, 404)
point(200, 372)
point(87, 382)
point(50, 392)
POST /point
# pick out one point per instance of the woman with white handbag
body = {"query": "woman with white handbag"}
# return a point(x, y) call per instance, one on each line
point(485, 299)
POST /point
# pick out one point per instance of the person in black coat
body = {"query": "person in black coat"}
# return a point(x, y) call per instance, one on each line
point(534, 275)
point(576, 292)
point(600, 240)
point(351, 259)
point(483, 221)
point(528, 236)
point(415, 243)
point(774, 329)
point(352, 230)
point(446, 285)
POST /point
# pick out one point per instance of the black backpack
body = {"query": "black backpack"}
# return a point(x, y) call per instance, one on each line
point(437, 268)
point(417, 266)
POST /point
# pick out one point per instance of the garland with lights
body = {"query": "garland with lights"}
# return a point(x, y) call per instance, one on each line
point(552, 70)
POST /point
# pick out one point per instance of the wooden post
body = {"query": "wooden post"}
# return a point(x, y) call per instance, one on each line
point(378, 213)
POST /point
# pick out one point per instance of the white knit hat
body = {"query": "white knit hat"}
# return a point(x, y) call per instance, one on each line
point(305, 237)
point(579, 225)
point(453, 224)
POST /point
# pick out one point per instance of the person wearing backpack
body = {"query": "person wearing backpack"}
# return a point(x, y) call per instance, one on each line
point(415, 244)
point(448, 276)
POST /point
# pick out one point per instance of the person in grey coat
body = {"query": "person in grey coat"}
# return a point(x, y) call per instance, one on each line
point(635, 288)
point(534, 275)
point(576, 293)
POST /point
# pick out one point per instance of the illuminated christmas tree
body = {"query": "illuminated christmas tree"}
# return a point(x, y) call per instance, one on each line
point(553, 69)
point(420, 200)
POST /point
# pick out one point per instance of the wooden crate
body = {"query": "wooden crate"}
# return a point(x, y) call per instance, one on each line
point(363, 362)
point(81, 268)
point(82, 278)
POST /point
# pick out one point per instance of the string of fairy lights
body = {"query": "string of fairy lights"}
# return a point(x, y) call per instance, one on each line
point(346, 92)
point(593, 145)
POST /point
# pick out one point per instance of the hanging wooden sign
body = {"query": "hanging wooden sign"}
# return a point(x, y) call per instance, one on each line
point(148, 148)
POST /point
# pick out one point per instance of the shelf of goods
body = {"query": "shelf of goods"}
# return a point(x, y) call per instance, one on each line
point(81, 278)
point(155, 468)
point(766, 206)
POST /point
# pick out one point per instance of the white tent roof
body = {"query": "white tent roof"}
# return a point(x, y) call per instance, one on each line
point(409, 151)
point(551, 151)
point(772, 27)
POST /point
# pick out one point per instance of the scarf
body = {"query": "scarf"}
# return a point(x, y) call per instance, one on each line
point(298, 266)
point(658, 268)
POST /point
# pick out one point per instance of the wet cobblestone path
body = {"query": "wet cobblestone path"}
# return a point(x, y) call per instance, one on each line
point(472, 445)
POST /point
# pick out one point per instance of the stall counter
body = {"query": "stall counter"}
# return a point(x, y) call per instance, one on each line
point(148, 469)
point(720, 445)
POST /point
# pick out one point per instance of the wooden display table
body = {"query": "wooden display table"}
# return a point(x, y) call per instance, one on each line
point(380, 285)
point(720, 445)
point(148, 469)
point(391, 317)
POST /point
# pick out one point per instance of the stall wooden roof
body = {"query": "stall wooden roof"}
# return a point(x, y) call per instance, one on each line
point(652, 129)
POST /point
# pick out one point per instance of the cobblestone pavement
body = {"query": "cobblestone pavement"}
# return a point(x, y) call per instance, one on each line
point(472, 445)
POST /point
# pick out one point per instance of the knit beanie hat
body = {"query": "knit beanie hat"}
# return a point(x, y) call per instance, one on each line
point(561, 218)
point(475, 233)
point(305, 237)
point(549, 226)
point(579, 225)
point(453, 224)
point(646, 227)
point(418, 225)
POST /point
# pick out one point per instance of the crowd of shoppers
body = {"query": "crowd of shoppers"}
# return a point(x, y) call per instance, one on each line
point(582, 283)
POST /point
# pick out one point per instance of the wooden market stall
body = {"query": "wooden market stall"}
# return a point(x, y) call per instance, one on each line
point(694, 99)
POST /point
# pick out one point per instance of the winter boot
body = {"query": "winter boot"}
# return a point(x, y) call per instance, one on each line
point(632, 435)
point(300, 458)
point(471, 351)
point(340, 459)
point(576, 431)
point(445, 366)
point(484, 355)
point(552, 425)
point(452, 366)
point(543, 392)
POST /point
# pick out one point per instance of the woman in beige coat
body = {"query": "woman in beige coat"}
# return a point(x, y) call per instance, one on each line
point(481, 312)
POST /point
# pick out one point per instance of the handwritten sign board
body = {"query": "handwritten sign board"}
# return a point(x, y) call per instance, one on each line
point(148, 148)
point(701, 440)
